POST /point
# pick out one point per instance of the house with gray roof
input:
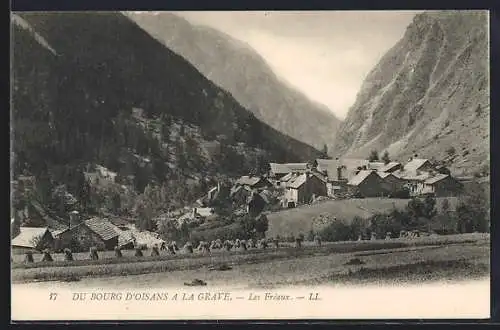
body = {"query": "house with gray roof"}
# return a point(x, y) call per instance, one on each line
point(367, 183)
point(303, 189)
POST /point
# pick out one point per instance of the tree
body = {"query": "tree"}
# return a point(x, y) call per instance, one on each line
point(385, 157)
point(473, 210)
point(261, 225)
point(248, 226)
point(144, 217)
point(429, 207)
point(373, 156)
point(337, 231)
point(324, 151)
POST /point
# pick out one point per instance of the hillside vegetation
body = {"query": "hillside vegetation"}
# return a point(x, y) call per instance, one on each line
point(95, 89)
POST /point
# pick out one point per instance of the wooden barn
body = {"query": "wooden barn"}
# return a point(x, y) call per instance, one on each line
point(32, 239)
point(97, 232)
point(303, 188)
point(367, 184)
point(441, 185)
point(392, 183)
point(253, 182)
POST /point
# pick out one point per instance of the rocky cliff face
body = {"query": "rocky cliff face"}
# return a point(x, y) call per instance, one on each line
point(428, 95)
point(237, 68)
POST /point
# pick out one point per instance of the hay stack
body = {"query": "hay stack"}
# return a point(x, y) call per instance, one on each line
point(118, 252)
point(28, 257)
point(263, 244)
point(188, 247)
point(298, 242)
point(276, 243)
point(251, 243)
point(93, 253)
point(138, 252)
point(68, 255)
point(154, 251)
point(47, 256)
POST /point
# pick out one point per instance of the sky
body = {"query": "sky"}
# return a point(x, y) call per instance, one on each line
point(324, 54)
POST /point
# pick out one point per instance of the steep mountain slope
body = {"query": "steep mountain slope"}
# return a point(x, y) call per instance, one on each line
point(428, 95)
point(96, 88)
point(237, 68)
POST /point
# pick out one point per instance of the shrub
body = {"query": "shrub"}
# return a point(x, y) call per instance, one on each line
point(402, 193)
point(337, 231)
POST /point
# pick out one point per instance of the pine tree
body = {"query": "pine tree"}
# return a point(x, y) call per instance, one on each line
point(324, 151)
point(373, 156)
point(385, 157)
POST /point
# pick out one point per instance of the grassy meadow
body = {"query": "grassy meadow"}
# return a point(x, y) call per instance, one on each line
point(298, 220)
point(129, 265)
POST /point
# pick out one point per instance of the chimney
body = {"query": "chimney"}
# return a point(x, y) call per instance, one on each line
point(339, 173)
point(74, 218)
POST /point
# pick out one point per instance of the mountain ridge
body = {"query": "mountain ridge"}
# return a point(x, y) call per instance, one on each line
point(235, 66)
point(428, 95)
point(117, 97)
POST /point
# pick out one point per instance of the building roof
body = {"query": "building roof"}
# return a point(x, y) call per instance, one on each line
point(204, 211)
point(302, 178)
point(102, 227)
point(298, 181)
point(279, 168)
point(360, 177)
point(436, 178)
point(412, 176)
point(297, 166)
point(50, 221)
point(288, 167)
point(389, 166)
point(28, 235)
point(375, 165)
point(288, 177)
point(325, 164)
point(414, 164)
point(383, 175)
point(235, 189)
point(248, 181)
point(266, 195)
point(56, 233)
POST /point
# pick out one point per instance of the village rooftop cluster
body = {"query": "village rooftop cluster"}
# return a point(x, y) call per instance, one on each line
point(286, 185)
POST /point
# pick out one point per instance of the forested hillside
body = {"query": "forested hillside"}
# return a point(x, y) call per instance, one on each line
point(95, 89)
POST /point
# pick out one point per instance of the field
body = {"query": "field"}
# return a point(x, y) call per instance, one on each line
point(299, 220)
point(460, 251)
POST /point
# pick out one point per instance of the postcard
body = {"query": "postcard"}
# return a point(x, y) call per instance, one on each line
point(221, 165)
